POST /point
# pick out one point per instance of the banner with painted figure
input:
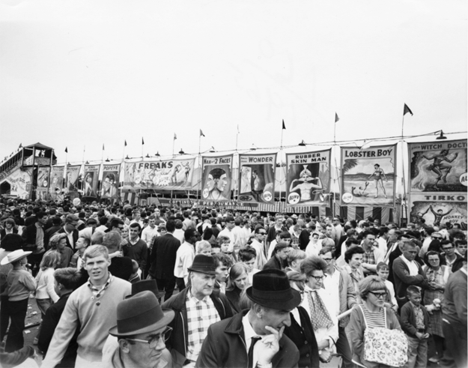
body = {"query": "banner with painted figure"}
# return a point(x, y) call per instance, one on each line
point(438, 166)
point(110, 181)
point(73, 178)
point(162, 174)
point(368, 176)
point(56, 180)
point(216, 178)
point(43, 177)
point(91, 179)
point(257, 178)
point(437, 209)
point(308, 178)
point(20, 183)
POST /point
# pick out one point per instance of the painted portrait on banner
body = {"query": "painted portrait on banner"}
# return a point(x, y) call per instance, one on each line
point(438, 166)
point(437, 209)
point(308, 178)
point(368, 176)
point(90, 181)
point(161, 174)
point(73, 178)
point(56, 180)
point(216, 178)
point(110, 181)
point(43, 175)
point(257, 178)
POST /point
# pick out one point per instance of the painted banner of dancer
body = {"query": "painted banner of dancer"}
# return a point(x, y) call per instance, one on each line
point(110, 181)
point(161, 174)
point(438, 166)
point(216, 178)
point(257, 178)
point(74, 181)
point(368, 175)
point(90, 182)
point(56, 181)
point(308, 178)
point(437, 209)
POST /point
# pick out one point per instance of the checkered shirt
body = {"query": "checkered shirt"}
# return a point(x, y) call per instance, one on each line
point(201, 314)
point(368, 257)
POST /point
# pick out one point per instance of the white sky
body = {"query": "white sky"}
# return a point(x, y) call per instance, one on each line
point(86, 73)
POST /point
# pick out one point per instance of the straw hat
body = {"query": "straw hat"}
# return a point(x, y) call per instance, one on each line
point(14, 256)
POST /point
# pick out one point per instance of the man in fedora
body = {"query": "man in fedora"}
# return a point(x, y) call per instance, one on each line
point(196, 309)
point(254, 338)
point(141, 330)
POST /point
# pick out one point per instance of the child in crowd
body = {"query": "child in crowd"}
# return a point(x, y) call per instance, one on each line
point(203, 247)
point(415, 323)
point(45, 289)
point(383, 271)
point(19, 283)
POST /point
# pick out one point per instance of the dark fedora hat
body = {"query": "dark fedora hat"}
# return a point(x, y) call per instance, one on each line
point(204, 264)
point(149, 285)
point(271, 289)
point(140, 314)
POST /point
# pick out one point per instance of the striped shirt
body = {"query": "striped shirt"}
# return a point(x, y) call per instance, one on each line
point(374, 319)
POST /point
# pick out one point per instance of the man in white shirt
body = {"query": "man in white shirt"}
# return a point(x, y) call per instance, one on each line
point(178, 232)
point(150, 231)
point(228, 231)
point(184, 258)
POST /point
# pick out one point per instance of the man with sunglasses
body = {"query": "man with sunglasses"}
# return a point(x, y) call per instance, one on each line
point(141, 331)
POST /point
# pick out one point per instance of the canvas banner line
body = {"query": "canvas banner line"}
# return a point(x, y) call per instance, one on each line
point(216, 178)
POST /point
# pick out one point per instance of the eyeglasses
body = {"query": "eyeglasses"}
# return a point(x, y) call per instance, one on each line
point(318, 278)
point(165, 335)
point(379, 295)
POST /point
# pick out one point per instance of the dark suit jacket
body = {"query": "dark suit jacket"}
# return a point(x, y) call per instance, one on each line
point(224, 346)
point(163, 257)
point(29, 237)
point(76, 235)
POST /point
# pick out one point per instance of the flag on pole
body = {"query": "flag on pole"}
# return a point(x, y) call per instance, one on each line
point(21, 145)
point(66, 149)
point(125, 143)
point(406, 110)
point(284, 126)
point(201, 133)
point(175, 136)
point(142, 141)
point(336, 117)
point(103, 147)
point(238, 129)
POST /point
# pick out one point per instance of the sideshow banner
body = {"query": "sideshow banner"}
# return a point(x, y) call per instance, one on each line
point(43, 176)
point(90, 182)
point(308, 178)
point(56, 180)
point(73, 178)
point(257, 178)
point(438, 166)
point(216, 178)
point(20, 182)
point(368, 176)
point(437, 209)
point(161, 174)
point(110, 181)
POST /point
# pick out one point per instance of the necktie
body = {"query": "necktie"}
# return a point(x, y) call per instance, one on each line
point(251, 350)
point(319, 315)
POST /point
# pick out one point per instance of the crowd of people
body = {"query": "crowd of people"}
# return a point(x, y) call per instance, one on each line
point(128, 286)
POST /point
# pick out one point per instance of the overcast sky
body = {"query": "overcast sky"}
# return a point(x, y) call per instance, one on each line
point(80, 74)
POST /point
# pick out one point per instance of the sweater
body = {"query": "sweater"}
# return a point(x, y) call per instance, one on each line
point(46, 285)
point(19, 283)
point(94, 315)
point(408, 320)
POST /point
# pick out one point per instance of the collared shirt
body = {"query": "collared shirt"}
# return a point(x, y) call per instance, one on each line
point(39, 235)
point(70, 237)
point(413, 268)
point(249, 333)
point(201, 314)
point(98, 292)
point(418, 313)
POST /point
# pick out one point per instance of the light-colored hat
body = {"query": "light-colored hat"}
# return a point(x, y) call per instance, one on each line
point(14, 256)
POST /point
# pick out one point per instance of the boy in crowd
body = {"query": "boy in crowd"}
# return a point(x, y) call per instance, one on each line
point(383, 271)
